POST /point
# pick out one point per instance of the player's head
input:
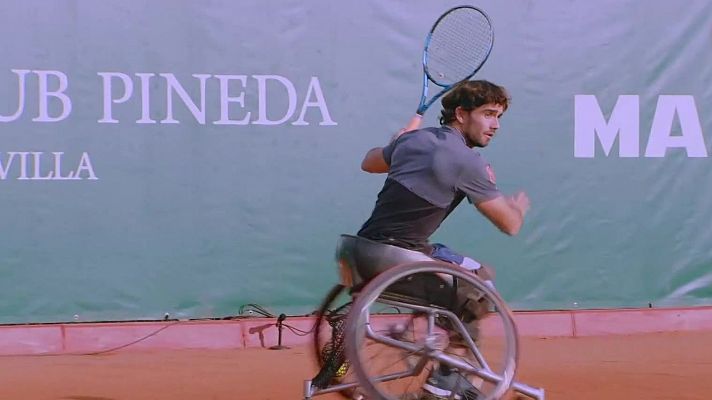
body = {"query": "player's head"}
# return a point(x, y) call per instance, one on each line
point(474, 109)
point(469, 95)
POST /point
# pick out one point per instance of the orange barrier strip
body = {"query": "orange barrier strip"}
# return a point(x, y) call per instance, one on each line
point(92, 338)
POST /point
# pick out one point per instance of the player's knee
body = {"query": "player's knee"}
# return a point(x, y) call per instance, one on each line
point(485, 272)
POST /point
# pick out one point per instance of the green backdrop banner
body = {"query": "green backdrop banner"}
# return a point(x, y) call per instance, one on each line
point(191, 157)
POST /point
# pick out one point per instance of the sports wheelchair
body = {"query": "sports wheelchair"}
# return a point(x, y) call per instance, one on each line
point(397, 315)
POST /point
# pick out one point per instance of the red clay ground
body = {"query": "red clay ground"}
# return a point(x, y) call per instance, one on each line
point(648, 366)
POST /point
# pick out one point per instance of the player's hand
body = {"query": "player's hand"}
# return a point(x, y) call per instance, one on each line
point(412, 125)
point(521, 202)
point(397, 135)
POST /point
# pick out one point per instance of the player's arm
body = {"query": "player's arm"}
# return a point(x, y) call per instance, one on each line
point(374, 161)
point(506, 213)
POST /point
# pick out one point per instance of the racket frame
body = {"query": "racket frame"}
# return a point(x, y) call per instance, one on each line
point(424, 105)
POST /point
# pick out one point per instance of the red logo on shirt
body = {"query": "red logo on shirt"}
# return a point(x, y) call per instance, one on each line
point(490, 173)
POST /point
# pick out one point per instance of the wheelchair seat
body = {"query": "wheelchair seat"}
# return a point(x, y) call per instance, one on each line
point(366, 258)
point(361, 259)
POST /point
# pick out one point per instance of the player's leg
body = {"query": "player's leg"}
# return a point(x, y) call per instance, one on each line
point(472, 305)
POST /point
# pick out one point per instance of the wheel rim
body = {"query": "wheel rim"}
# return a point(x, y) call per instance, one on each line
point(359, 321)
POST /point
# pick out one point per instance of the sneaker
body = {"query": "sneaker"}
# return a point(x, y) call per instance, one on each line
point(441, 385)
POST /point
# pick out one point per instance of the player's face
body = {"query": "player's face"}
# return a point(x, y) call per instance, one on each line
point(480, 125)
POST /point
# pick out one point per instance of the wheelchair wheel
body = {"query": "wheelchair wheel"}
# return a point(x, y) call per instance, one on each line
point(390, 367)
point(328, 339)
point(330, 316)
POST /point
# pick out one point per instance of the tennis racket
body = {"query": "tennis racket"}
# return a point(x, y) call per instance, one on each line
point(456, 47)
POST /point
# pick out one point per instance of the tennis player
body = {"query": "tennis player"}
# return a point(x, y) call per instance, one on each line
point(430, 171)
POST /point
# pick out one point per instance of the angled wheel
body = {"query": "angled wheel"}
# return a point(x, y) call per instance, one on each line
point(443, 295)
point(328, 339)
point(330, 315)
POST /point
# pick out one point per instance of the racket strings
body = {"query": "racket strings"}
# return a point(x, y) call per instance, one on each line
point(459, 44)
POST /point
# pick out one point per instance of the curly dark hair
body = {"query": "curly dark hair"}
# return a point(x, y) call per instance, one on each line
point(470, 95)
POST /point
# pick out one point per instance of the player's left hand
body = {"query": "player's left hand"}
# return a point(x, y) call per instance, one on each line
point(412, 125)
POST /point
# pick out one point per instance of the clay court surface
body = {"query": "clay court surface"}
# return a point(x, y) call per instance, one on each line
point(646, 366)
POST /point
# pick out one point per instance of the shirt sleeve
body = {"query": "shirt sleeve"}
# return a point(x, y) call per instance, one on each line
point(478, 182)
point(388, 151)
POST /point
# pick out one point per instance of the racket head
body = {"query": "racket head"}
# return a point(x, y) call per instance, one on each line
point(457, 45)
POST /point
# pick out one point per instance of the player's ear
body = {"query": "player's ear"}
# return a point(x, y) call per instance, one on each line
point(460, 114)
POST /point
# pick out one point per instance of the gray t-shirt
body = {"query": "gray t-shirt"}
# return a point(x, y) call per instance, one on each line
point(431, 171)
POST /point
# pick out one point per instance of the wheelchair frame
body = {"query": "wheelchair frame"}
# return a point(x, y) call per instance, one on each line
point(358, 327)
